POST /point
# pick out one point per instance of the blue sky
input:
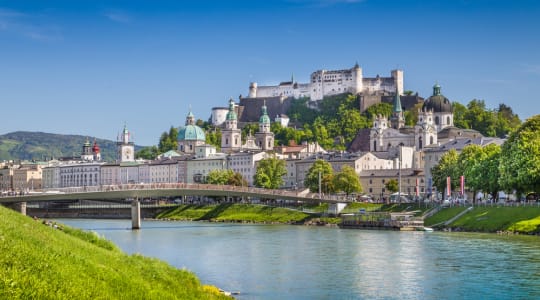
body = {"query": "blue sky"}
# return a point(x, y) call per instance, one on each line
point(88, 67)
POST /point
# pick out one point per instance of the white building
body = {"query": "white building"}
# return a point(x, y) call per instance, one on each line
point(245, 163)
point(331, 82)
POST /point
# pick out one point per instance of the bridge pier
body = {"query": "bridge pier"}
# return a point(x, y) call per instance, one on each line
point(20, 207)
point(135, 214)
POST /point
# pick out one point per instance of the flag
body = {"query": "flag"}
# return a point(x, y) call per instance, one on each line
point(448, 186)
point(462, 184)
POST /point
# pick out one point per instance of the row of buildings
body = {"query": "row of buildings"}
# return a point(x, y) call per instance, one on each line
point(386, 151)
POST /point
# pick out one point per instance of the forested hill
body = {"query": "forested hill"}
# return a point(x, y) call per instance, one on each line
point(26, 145)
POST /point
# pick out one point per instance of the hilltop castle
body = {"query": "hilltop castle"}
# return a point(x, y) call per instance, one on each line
point(332, 82)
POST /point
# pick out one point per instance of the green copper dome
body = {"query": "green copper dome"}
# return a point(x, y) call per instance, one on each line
point(264, 119)
point(191, 132)
point(231, 115)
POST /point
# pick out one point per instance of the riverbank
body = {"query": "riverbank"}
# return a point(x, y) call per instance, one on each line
point(492, 219)
point(40, 260)
point(524, 220)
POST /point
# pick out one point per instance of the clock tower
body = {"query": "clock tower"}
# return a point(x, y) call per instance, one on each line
point(125, 148)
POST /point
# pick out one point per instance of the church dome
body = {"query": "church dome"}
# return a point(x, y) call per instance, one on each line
point(437, 102)
point(191, 132)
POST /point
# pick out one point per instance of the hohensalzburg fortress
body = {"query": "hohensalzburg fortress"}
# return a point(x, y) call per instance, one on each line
point(326, 83)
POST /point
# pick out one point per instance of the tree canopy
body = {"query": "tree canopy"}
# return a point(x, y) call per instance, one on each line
point(326, 175)
point(347, 181)
point(270, 172)
point(520, 158)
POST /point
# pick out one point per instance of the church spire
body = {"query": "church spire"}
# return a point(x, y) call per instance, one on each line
point(436, 89)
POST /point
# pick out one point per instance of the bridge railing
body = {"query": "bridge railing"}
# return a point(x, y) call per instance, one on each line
point(192, 186)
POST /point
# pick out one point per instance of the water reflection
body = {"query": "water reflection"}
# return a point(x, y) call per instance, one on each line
point(297, 262)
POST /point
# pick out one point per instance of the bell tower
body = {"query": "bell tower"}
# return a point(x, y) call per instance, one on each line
point(231, 136)
point(125, 147)
point(264, 138)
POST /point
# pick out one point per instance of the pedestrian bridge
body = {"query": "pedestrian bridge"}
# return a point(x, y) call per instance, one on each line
point(137, 192)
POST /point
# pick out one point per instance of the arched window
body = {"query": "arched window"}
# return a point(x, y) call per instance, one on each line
point(431, 140)
point(437, 120)
point(374, 145)
point(420, 143)
point(448, 120)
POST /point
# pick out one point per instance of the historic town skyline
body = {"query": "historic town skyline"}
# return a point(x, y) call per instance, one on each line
point(88, 67)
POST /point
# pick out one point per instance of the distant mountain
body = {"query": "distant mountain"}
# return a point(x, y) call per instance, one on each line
point(24, 145)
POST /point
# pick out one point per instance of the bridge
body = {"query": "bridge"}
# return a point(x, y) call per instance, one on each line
point(137, 192)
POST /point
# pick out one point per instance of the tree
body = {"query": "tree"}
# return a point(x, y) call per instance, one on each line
point(147, 153)
point(392, 185)
point(213, 137)
point(218, 176)
point(168, 141)
point(347, 181)
point(228, 177)
point(270, 172)
point(469, 161)
point(488, 169)
point(326, 172)
point(447, 167)
point(237, 179)
point(519, 165)
point(460, 115)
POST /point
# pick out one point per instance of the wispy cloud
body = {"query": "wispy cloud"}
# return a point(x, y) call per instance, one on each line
point(118, 16)
point(531, 68)
point(23, 24)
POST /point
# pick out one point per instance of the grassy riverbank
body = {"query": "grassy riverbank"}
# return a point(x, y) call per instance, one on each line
point(235, 213)
point(524, 219)
point(38, 261)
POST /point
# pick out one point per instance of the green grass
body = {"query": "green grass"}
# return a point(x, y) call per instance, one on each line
point(235, 213)
point(354, 207)
point(443, 215)
point(492, 219)
point(40, 262)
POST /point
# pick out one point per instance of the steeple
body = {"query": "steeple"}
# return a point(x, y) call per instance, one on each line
point(231, 115)
point(190, 118)
point(397, 119)
point(436, 89)
point(264, 120)
point(397, 103)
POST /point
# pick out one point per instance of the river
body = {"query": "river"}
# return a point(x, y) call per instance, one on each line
point(303, 262)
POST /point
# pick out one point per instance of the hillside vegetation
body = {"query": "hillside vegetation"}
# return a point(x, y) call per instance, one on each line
point(25, 145)
point(40, 262)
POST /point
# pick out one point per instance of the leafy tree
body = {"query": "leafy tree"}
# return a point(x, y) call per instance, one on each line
point(249, 128)
point(408, 93)
point(213, 137)
point(228, 177)
point(168, 141)
point(237, 179)
point(392, 185)
point(299, 112)
point(218, 176)
point(270, 172)
point(507, 121)
point(460, 115)
point(382, 108)
point(326, 172)
point(469, 161)
point(147, 153)
point(520, 158)
point(448, 166)
point(488, 169)
point(347, 181)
